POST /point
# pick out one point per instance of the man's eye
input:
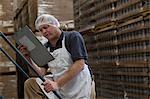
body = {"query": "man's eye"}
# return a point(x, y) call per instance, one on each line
point(45, 27)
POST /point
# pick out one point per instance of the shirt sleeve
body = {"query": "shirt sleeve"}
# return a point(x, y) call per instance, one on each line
point(77, 47)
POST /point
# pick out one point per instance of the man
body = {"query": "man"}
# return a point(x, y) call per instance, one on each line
point(70, 75)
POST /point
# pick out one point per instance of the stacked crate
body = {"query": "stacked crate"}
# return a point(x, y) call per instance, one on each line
point(84, 8)
point(8, 79)
point(133, 47)
point(118, 45)
point(8, 82)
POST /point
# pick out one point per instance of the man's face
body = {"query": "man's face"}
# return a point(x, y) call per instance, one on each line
point(49, 31)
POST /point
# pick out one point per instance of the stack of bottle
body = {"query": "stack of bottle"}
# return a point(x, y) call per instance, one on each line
point(118, 45)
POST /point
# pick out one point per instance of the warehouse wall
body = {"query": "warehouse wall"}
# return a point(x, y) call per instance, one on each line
point(117, 37)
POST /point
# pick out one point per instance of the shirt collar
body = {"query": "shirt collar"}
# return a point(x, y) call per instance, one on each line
point(59, 42)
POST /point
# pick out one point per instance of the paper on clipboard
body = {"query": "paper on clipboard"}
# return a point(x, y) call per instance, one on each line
point(27, 42)
point(38, 53)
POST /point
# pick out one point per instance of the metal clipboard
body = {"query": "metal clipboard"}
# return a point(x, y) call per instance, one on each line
point(38, 53)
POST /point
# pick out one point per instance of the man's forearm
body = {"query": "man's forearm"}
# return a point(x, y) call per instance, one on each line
point(74, 70)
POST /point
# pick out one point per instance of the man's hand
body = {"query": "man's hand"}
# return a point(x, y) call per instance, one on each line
point(50, 85)
point(23, 50)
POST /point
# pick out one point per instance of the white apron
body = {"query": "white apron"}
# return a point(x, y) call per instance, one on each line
point(79, 87)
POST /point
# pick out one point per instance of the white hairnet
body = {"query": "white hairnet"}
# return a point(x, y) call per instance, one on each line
point(46, 19)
